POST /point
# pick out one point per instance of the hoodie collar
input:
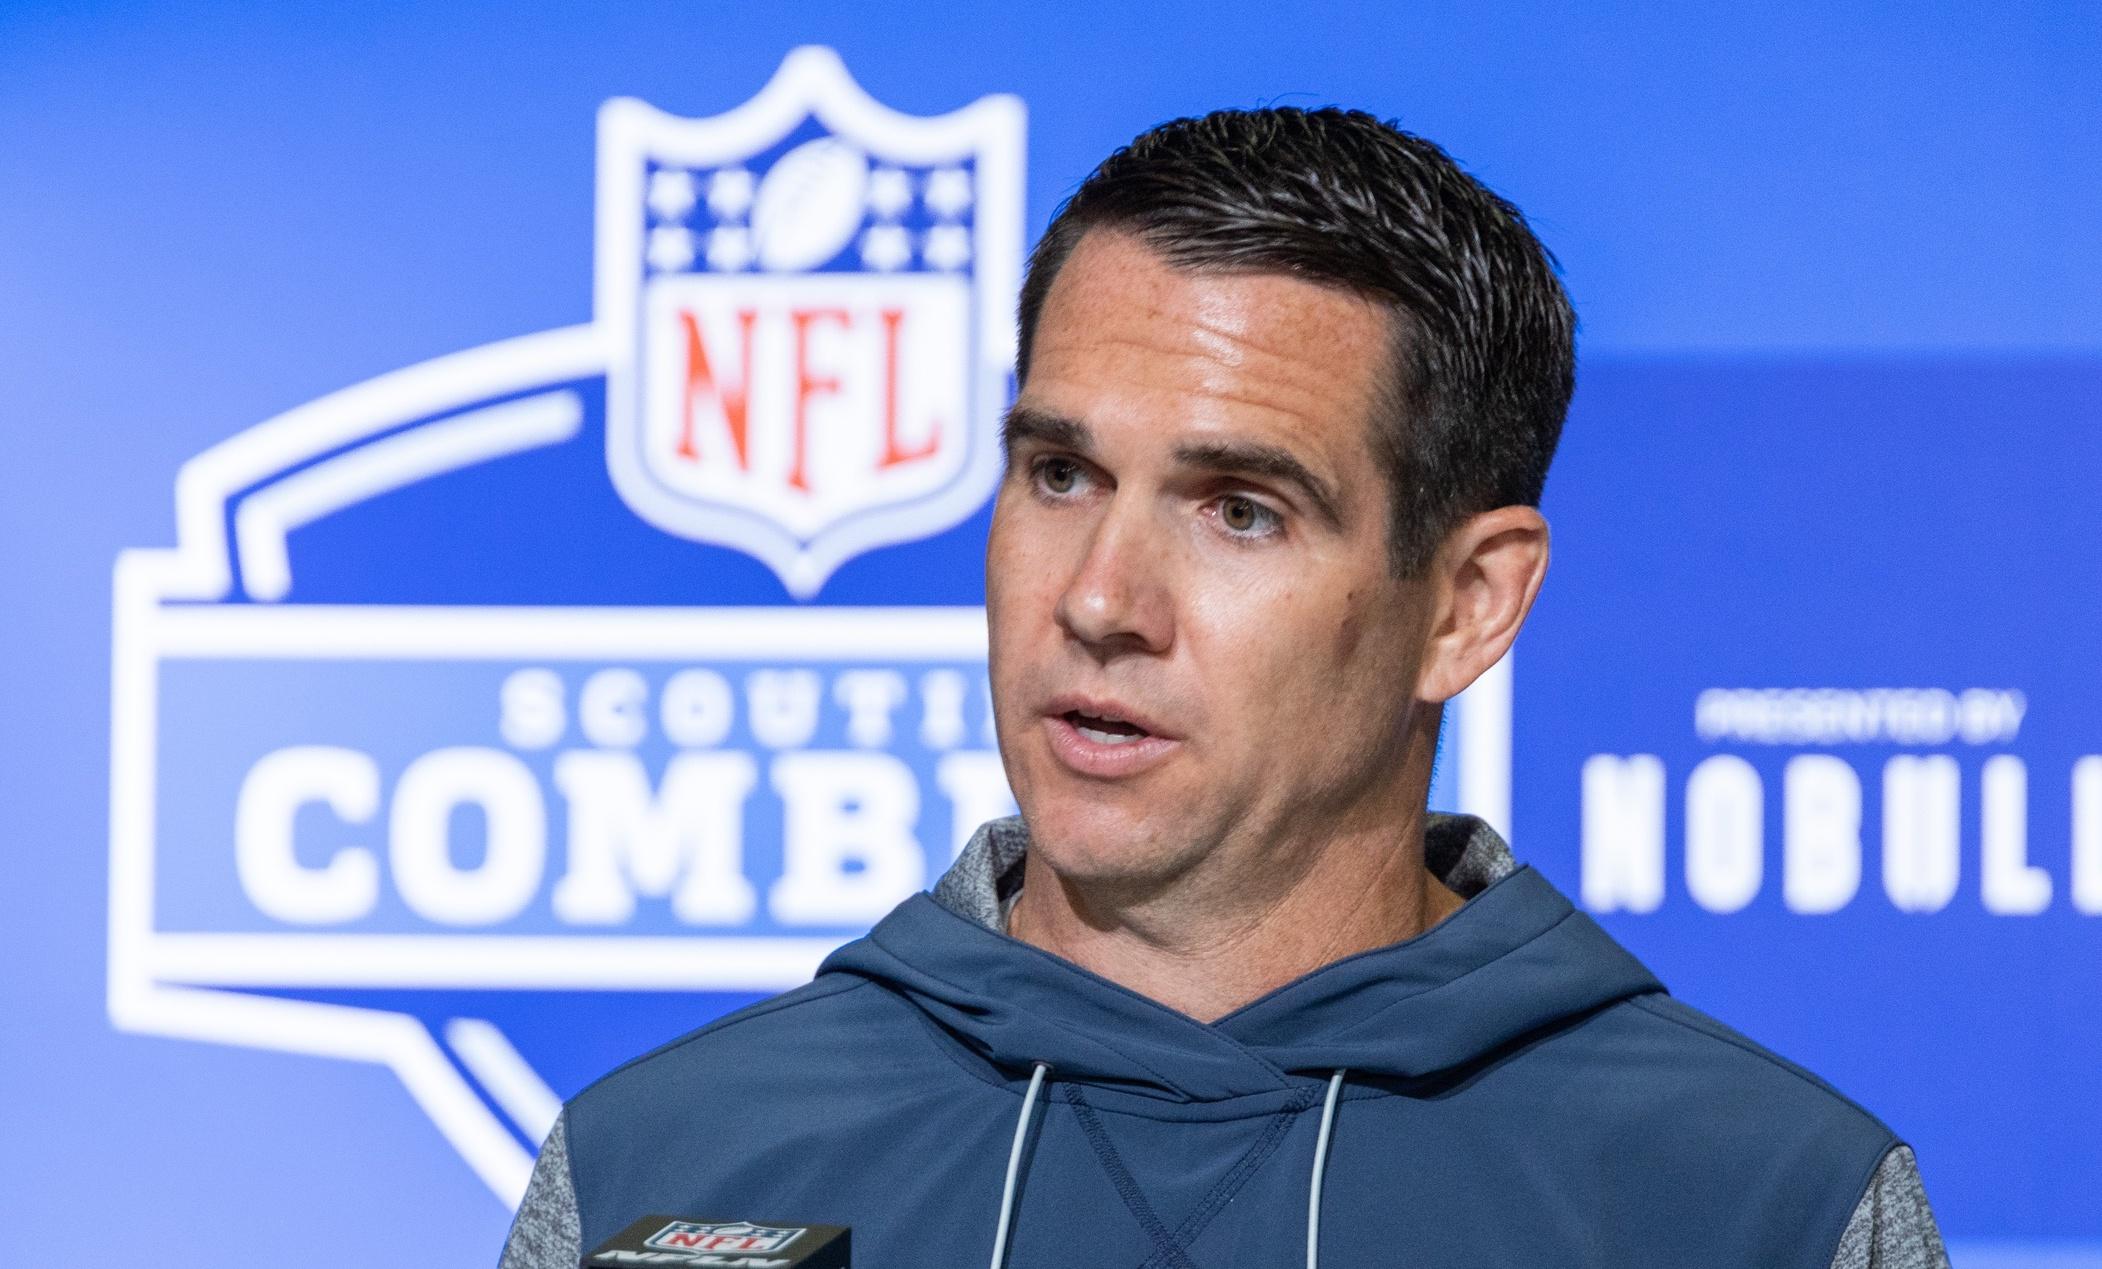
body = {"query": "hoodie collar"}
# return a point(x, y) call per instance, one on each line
point(1461, 850)
point(1516, 957)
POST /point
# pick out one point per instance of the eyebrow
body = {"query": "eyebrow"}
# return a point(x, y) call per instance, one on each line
point(1053, 431)
point(1231, 458)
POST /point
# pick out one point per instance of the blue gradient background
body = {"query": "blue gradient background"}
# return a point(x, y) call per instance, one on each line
point(1841, 281)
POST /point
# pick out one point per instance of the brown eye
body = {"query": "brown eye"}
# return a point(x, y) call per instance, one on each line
point(1059, 475)
point(1248, 520)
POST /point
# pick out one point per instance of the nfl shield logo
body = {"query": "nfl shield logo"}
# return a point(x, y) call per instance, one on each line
point(728, 1236)
point(785, 290)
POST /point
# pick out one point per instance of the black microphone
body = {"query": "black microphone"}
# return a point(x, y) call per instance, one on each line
point(678, 1241)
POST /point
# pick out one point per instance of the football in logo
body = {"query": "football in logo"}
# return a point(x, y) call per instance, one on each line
point(809, 206)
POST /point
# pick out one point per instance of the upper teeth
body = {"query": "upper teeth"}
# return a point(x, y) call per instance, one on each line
point(1106, 737)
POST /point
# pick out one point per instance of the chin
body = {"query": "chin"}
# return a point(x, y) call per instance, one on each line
point(1090, 839)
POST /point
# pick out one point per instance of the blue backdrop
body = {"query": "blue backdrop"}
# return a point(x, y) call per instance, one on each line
point(1805, 712)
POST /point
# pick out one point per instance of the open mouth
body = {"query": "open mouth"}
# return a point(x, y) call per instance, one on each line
point(1105, 731)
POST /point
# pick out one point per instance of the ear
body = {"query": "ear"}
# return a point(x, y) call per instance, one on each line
point(1483, 583)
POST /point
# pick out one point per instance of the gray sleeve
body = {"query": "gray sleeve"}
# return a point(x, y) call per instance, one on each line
point(546, 1233)
point(1891, 1227)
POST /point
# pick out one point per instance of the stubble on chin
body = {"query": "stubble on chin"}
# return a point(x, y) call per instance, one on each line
point(1117, 855)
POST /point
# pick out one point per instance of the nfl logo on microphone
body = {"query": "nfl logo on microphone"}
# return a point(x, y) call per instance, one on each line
point(734, 1236)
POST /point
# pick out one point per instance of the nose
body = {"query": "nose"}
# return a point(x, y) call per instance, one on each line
point(1117, 599)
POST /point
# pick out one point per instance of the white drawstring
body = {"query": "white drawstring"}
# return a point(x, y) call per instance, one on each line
point(1014, 1164)
point(1313, 1198)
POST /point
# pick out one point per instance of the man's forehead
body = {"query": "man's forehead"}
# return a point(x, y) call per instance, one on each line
point(1207, 357)
point(1114, 286)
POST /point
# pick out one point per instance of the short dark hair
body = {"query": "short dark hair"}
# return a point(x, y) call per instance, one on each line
point(1484, 336)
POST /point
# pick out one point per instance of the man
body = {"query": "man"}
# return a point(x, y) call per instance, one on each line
point(1224, 994)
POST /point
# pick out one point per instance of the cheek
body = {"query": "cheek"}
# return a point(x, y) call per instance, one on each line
point(1379, 646)
point(1020, 595)
point(1005, 569)
point(1305, 654)
point(1266, 642)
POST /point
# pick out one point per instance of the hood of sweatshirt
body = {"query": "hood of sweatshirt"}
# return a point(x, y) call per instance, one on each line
point(1515, 958)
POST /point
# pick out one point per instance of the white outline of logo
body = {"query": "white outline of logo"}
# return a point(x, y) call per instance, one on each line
point(166, 606)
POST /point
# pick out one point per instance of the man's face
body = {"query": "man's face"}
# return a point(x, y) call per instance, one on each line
point(1200, 654)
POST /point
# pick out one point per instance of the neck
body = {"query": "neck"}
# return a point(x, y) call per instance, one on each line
point(1206, 957)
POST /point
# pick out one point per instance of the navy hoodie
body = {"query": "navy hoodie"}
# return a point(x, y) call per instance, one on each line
point(1516, 1089)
